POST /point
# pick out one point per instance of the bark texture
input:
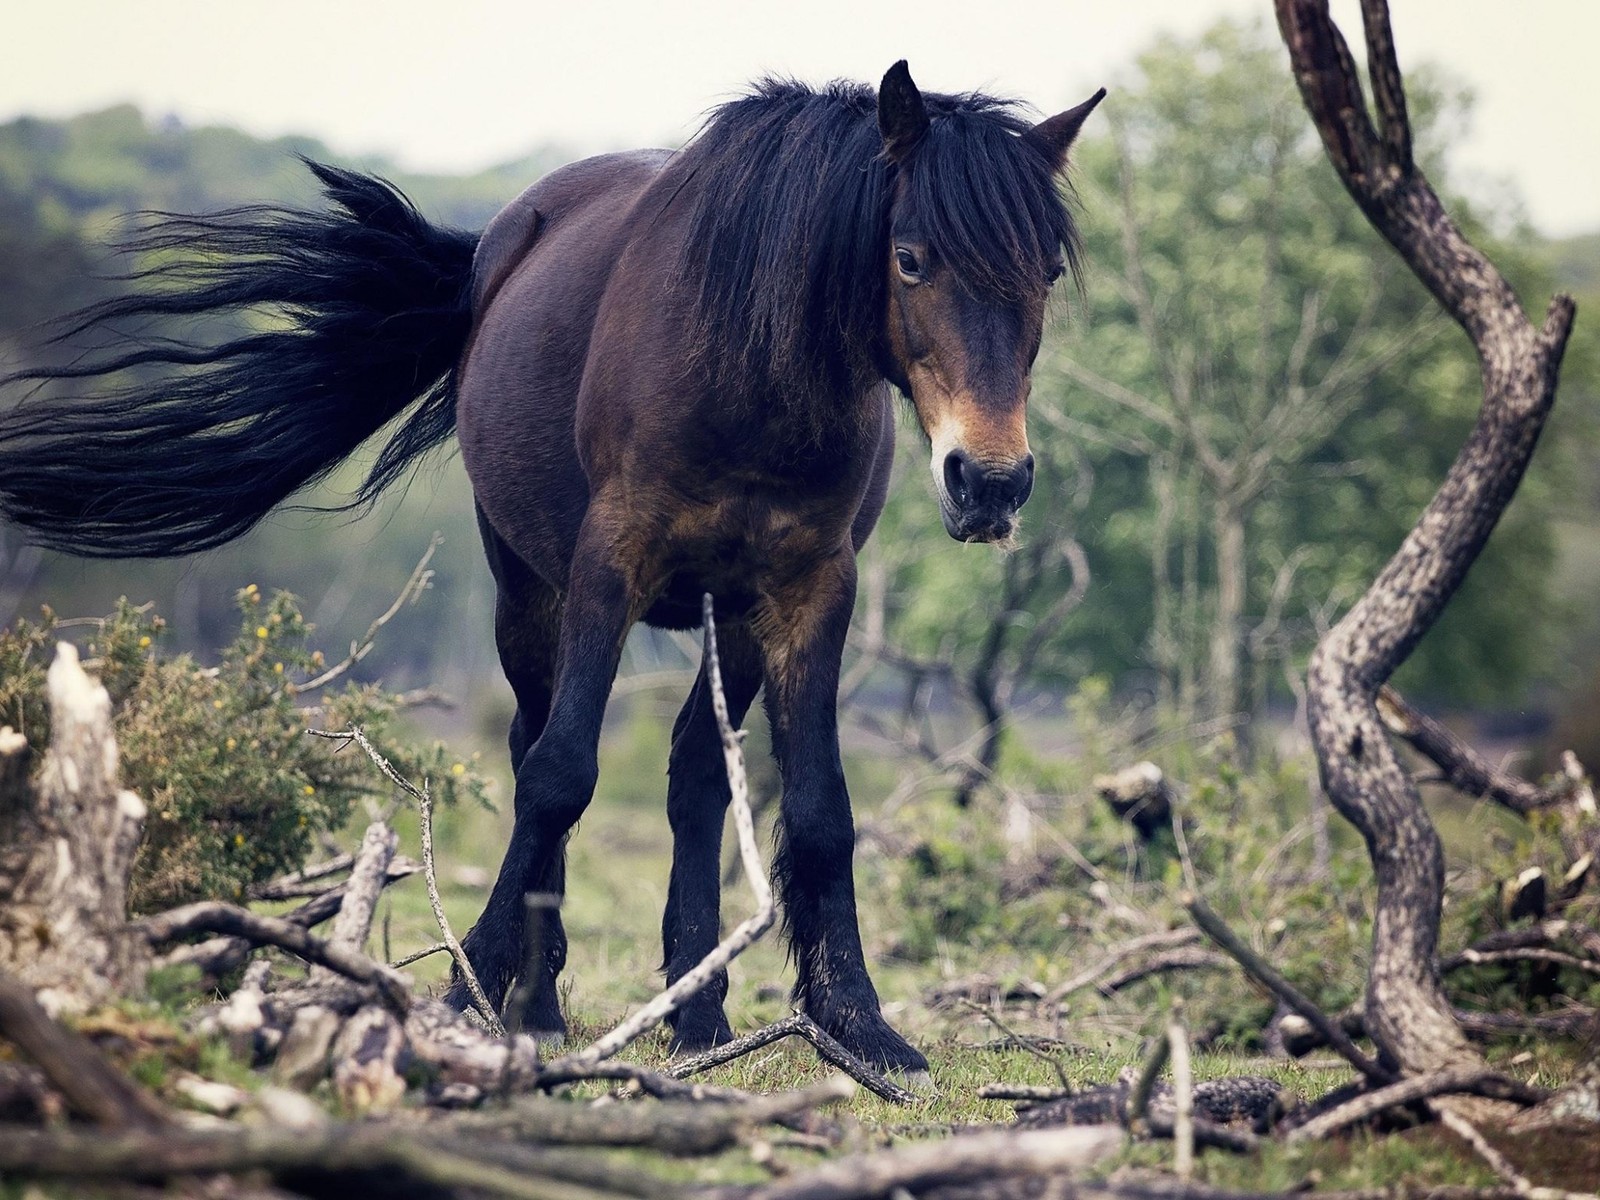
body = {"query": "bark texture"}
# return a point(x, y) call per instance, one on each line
point(1407, 1013)
point(66, 848)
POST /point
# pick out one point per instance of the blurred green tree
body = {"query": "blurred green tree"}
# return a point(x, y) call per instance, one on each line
point(1255, 408)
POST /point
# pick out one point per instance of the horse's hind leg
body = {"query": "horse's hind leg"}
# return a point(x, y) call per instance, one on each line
point(697, 801)
point(527, 625)
point(801, 629)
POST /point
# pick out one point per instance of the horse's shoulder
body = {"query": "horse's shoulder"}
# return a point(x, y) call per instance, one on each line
point(513, 231)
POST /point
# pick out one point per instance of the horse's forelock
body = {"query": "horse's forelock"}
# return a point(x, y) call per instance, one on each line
point(791, 211)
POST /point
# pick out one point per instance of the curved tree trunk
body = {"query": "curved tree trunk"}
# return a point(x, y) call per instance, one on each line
point(1407, 1013)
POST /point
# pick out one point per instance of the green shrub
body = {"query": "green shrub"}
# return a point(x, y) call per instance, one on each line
point(237, 791)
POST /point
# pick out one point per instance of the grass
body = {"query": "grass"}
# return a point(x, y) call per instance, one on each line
point(940, 900)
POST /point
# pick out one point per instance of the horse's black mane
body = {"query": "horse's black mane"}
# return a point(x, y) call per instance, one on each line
point(787, 247)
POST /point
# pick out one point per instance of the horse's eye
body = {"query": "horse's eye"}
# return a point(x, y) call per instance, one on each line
point(1053, 273)
point(907, 262)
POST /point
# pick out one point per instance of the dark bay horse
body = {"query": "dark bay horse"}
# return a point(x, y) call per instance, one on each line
point(670, 375)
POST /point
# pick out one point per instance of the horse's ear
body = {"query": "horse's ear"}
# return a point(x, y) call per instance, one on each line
point(902, 119)
point(1056, 134)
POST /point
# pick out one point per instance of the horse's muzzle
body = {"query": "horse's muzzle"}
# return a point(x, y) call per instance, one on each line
point(979, 501)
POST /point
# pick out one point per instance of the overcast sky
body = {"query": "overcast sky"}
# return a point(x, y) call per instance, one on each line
point(453, 85)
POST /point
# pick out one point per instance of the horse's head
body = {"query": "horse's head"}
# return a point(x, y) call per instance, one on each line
point(978, 233)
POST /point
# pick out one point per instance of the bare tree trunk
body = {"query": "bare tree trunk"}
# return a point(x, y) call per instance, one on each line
point(1407, 1013)
point(1227, 523)
point(66, 848)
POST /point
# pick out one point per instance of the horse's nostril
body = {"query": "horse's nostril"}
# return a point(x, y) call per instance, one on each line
point(1024, 481)
point(960, 477)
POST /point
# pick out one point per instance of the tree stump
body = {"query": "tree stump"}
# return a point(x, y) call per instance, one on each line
point(67, 842)
point(1140, 795)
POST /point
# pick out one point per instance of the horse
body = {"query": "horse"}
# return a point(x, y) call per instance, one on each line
point(669, 373)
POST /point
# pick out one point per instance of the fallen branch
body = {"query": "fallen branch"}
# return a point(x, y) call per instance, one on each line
point(673, 1126)
point(412, 1163)
point(978, 1157)
point(1464, 769)
point(796, 1024)
point(1022, 1042)
point(1258, 969)
point(1163, 940)
point(746, 933)
point(217, 956)
point(368, 875)
point(1409, 1091)
point(1498, 1163)
point(303, 882)
point(212, 916)
point(1473, 958)
point(91, 1086)
point(1188, 958)
point(1022, 1093)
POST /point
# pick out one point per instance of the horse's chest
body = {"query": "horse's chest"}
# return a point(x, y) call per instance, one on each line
point(737, 550)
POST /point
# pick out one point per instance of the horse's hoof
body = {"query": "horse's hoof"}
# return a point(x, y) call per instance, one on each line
point(920, 1082)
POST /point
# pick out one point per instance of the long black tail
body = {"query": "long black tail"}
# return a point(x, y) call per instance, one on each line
point(356, 314)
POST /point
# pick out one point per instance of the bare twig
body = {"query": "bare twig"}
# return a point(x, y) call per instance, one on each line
point(424, 800)
point(749, 930)
point(418, 583)
point(796, 1025)
point(1164, 939)
point(1018, 1039)
point(479, 999)
point(1182, 1094)
point(419, 955)
point(1138, 1104)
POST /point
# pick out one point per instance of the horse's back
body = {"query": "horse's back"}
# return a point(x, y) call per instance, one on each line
point(539, 276)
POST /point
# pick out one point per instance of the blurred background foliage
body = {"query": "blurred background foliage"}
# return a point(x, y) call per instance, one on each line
point(1235, 423)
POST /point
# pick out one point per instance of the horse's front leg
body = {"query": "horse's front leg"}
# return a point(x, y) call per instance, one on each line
point(697, 804)
point(801, 627)
point(555, 782)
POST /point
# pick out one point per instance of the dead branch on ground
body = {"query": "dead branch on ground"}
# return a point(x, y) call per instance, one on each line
point(796, 1024)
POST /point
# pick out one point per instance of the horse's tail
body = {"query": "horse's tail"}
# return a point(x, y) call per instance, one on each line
point(355, 315)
